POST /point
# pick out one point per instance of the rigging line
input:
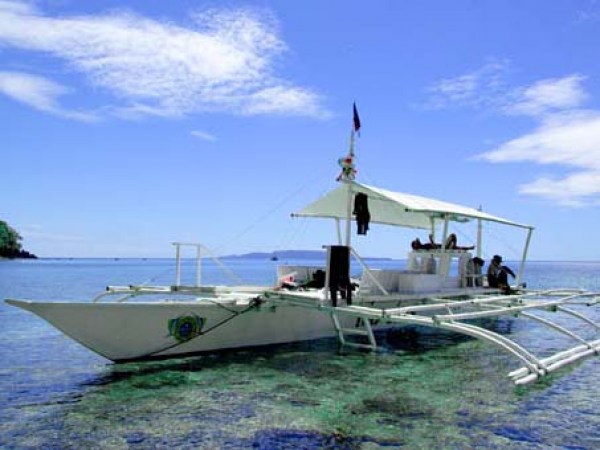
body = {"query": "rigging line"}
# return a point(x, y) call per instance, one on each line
point(500, 238)
point(254, 303)
point(464, 236)
point(153, 278)
point(268, 213)
point(232, 275)
point(294, 234)
point(367, 178)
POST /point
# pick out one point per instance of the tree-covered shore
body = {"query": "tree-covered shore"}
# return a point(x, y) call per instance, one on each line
point(10, 243)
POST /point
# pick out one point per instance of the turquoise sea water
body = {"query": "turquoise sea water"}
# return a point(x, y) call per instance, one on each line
point(425, 390)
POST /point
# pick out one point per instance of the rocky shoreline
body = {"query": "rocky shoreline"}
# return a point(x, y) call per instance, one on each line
point(20, 254)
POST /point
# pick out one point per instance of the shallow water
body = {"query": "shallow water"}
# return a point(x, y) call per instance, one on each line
point(424, 390)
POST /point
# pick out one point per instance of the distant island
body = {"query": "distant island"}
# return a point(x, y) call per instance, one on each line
point(10, 243)
point(288, 254)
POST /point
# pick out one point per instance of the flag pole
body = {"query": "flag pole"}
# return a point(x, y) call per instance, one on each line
point(349, 196)
point(350, 176)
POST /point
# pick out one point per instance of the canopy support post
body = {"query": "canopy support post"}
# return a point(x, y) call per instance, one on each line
point(445, 233)
point(444, 265)
point(198, 266)
point(479, 234)
point(178, 264)
point(432, 220)
point(524, 257)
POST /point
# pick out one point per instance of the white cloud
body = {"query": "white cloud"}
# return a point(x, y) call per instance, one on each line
point(546, 96)
point(570, 141)
point(477, 88)
point(589, 12)
point(203, 135)
point(17, 7)
point(567, 138)
point(575, 190)
point(487, 87)
point(278, 98)
point(224, 62)
point(39, 93)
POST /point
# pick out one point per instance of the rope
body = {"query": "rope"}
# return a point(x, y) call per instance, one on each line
point(254, 303)
point(155, 277)
point(293, 234)
point(491, 232)
point(269, 212)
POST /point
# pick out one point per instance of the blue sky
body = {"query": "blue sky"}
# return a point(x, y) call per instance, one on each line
point(127, 125)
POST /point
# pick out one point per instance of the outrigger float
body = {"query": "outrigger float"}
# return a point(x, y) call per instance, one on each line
point(439, 288)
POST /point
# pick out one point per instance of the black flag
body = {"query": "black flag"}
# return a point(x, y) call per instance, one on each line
point(356, 119)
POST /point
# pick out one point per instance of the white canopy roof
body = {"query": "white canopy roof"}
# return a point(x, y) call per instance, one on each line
point(395, 208)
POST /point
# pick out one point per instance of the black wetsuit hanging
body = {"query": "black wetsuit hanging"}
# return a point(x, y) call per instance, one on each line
point(361, 211)
point(339, 273)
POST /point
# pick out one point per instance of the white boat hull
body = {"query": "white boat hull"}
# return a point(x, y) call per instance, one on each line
point(128, 331)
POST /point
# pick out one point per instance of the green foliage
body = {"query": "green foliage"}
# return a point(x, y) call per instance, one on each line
point(10, 240)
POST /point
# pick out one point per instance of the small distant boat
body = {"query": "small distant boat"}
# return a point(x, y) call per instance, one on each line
point(439, 288)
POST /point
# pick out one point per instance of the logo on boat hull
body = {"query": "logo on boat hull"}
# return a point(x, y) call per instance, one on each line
point(184, 328)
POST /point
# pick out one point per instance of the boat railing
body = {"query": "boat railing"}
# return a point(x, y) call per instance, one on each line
point(419, 277)
point(131, 291)
point(201, 292)
point(438, 261)
point(368, 275)
point(201, 250)
point(427, 271)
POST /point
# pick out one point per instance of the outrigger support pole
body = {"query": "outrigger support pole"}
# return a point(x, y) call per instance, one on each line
point(480, 307)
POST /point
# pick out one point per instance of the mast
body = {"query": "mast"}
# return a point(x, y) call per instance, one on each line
point(349, 194)
point(348, 174)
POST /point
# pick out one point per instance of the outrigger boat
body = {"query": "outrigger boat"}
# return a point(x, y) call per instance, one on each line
point(437, 289)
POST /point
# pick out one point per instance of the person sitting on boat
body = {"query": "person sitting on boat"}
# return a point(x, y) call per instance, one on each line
point(317, 281)
point(451, 244)
point(287, 282)
point(497, 274)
